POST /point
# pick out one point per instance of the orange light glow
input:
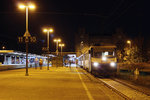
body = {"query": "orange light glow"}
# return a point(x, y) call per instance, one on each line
point(57, 40)
point(128, 41)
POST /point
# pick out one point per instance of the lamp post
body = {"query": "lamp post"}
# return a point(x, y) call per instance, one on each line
point(27, 6)
point(61, 46)
point(48, 31)
point(57, 41)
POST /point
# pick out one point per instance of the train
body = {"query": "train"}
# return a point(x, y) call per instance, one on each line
point(99, 59)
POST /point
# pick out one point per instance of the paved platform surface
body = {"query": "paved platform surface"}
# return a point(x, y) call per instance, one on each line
point(55, 84)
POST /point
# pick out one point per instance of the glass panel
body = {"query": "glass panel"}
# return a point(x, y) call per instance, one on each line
point(97, 54)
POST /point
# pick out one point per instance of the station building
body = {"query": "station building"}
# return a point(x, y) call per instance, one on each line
point(11, 57)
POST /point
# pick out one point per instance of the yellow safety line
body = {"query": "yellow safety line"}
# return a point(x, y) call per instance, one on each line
point(85, 87)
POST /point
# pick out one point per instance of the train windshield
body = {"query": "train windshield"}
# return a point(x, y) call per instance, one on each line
point(97, 54)
point(104, 53)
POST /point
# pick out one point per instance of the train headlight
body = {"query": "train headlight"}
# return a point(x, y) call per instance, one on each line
point(112, 64)
point(95, 64)
point(104, 58)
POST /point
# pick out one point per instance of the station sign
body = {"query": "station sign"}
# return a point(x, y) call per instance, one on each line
point(31, 39)
point(44, 49)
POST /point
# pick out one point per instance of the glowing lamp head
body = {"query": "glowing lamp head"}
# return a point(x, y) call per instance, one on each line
point(3, 47)
point(45, 30)
point(128, 41)
point(48, 30)
point(22, 6)
point(51, 30)
point(55, 40)
point(59, 40)
point(104, 58)
point(61, 45)
point(31, 6)
point(95, 64)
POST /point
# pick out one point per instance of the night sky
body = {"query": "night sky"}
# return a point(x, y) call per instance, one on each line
point(67, 17)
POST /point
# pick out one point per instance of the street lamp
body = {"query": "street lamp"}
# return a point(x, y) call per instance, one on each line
point(61, 45)
point(57, 41)
point(129, 42)
point(48, 30)
point(3, 47)
point(27, 6)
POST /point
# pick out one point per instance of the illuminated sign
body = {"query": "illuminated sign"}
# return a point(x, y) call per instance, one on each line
point(24, 39)
point(6, 51)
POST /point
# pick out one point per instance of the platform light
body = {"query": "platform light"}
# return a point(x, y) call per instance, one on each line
point(32, 6)
point(3, 47)
point(26, 6)
point(51, 30)
point(48, 31)
point(128, 41)
point(22, 6)
point(44, 30)
point(57, 41)
point(61, 45)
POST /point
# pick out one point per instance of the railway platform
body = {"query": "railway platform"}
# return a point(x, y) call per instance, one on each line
point(58, 83)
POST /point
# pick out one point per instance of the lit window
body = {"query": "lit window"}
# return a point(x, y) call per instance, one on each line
point(105, 53)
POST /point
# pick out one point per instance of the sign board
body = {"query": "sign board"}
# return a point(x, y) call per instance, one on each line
point(44, 48)
point(31, 39)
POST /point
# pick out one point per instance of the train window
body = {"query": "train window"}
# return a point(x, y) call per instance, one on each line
point(13, 60)
point(91, 52)
point(1, 58)
point(111, 53)
point(97, 54)
point(31, 60)
point(105, 53)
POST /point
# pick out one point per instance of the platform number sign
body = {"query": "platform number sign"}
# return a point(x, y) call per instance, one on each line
point(29, 39)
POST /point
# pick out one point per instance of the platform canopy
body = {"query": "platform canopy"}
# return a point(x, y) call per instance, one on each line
point(6, 51)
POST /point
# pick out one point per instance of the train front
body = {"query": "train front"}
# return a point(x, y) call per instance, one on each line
point(104, 60)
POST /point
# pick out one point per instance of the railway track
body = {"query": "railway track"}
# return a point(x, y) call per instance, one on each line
point(139, 88)
point(115, 90)
point(124, 90)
